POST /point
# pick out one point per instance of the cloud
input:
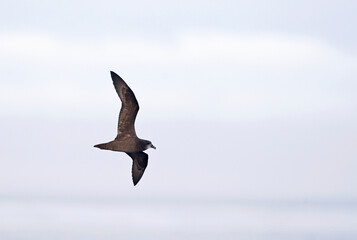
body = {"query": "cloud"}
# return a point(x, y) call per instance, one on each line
point(188, 48)
point(239, 76)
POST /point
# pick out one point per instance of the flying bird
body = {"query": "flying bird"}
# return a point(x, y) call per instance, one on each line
point(126, 139)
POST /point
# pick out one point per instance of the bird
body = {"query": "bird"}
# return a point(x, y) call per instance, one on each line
point(126, 139)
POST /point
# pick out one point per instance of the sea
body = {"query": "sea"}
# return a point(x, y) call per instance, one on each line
point(68, 217)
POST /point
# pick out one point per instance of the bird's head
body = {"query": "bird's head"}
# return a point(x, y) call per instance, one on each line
point(149, 145)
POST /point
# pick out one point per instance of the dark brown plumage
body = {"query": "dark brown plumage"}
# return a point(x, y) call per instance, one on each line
point(126, 139)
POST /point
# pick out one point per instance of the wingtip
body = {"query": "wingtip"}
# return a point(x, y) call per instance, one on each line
point(113, 73)
point(135, 181)
point(115, 76)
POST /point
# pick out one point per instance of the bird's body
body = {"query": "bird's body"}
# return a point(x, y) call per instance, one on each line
point(126, 139)
point(128, 145)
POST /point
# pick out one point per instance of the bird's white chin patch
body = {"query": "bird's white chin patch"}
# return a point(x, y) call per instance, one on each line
point(149, 146)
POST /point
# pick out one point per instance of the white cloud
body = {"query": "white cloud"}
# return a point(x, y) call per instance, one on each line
point(190, 48)
point(224, 81)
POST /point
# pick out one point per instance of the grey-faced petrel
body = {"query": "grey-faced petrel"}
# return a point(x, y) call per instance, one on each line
point(126, 139)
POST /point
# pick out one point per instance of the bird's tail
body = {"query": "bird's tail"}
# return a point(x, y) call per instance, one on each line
point(106, 146)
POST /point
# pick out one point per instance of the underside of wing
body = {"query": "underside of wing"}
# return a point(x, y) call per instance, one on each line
point(140, 162)
point(129, 109)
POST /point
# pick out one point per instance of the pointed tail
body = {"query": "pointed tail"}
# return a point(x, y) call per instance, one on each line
point(106, 146)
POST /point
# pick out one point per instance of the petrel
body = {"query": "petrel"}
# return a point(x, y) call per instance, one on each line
point(126, 139)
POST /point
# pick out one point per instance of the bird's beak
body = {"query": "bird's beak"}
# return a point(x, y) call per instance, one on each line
point(153, 146)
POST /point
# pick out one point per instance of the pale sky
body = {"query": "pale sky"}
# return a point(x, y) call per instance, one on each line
point(250, 99)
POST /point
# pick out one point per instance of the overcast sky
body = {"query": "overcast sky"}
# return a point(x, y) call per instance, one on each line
point(241, 98)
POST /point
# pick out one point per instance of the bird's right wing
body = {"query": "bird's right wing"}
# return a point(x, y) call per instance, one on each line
point(140, 162)
point(129, 108)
